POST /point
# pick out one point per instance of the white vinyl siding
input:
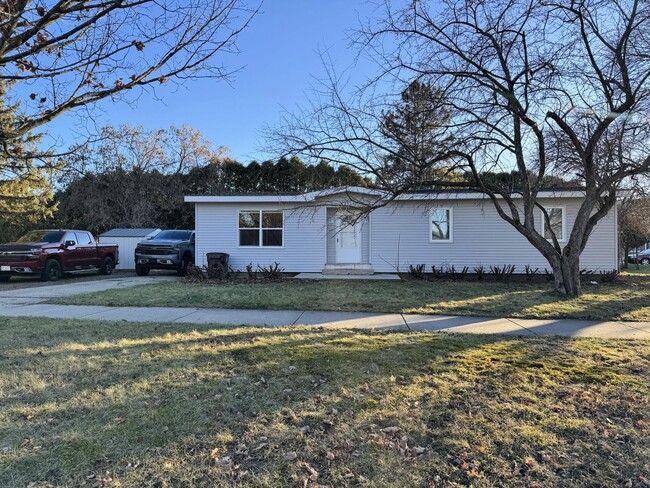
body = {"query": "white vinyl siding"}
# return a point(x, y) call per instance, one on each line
point(400, 237)
point(304, 249)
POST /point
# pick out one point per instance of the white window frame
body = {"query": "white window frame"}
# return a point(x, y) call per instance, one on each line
point(543, 220)
point(261, 229)
point(451, 226)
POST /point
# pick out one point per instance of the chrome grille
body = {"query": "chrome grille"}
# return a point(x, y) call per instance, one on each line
point(15, 256)
point(155, 250)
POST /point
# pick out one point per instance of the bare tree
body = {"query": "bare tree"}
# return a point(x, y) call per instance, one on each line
point(633, 223)
point(74, 53)
point(134, 149)
point(520, 79)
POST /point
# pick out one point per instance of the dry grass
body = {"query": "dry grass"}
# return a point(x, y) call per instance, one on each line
point(172, 405)
point(627, 300)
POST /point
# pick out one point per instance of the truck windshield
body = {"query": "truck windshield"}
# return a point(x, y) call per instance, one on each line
point(42, 236)
point(174, 235)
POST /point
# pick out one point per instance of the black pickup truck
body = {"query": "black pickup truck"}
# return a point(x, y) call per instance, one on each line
point(170, 249)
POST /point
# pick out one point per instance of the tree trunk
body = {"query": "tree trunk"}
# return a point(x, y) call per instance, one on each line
point(566, 271)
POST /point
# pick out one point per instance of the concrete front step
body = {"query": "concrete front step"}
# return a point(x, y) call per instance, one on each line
point(357, 277)
point(348, 269)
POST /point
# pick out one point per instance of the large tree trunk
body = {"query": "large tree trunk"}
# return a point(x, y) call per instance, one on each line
point(566, 272)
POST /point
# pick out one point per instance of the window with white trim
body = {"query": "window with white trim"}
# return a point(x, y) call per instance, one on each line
point(261, 228)
point(555, 223)
point(440, 224)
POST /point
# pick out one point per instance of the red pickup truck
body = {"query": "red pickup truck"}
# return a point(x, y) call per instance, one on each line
point(50, 253)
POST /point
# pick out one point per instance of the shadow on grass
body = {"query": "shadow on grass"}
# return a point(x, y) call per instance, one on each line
point(194, 405)
point(604, 303)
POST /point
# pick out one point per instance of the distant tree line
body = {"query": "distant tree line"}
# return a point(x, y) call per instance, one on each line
point(136, 198)
point(132, 177)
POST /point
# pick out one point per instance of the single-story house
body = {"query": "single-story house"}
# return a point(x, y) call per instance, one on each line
point(127, 239)
point(321, 232)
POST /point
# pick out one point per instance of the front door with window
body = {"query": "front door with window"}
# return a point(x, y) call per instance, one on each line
point(348, 238)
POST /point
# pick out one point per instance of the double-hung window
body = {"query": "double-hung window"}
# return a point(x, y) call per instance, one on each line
point(441, 225)
point(555, 223)
point(261, 228)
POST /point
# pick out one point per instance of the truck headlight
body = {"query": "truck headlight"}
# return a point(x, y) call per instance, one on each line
point(34, 253)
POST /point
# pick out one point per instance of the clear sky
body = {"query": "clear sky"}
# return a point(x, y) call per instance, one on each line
point(280, 61)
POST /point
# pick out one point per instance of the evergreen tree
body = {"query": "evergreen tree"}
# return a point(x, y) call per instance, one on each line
point(415, 131)
point(25, 188)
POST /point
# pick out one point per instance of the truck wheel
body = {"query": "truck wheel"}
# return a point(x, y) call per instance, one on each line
point(5, 278)
point(108, 265)
point(142, 270)
point(182, 271)
point(52, 270)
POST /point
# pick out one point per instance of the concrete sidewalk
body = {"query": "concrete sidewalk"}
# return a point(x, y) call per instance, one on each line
point(474, 325)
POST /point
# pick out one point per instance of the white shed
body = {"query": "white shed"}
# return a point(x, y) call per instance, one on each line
point(126, 239)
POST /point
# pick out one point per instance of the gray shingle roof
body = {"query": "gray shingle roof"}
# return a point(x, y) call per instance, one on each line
point(129, 232)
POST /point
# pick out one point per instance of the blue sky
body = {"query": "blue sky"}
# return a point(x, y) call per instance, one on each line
point(280, 61)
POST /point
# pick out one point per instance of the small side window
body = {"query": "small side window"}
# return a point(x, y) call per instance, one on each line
point(83, 238)
point(555, 223)
point(441, 225)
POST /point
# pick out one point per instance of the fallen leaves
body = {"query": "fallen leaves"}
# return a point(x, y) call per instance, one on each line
point(313, 474)
point(218, 459)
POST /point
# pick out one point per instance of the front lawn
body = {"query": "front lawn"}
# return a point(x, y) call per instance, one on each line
point(102, 404)
point(629, 300)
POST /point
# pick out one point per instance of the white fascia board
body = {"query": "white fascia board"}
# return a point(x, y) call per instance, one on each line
point(342, 190)
point(313, 196)
point(306, 197)
point(479, 195)
point(245, 199)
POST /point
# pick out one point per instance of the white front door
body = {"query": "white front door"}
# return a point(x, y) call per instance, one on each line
point(348, 239)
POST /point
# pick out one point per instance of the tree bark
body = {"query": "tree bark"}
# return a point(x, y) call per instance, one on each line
point(566, 272)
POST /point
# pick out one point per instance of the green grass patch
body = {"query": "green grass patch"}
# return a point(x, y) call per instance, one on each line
point(627, 300)
point(90, 403)
point(632, 270)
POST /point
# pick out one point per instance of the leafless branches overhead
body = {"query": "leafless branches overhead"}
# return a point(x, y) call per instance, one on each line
point(60, 55)
point(535, 87)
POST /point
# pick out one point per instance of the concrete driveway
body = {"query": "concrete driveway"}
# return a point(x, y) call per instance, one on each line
point(38, 294)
